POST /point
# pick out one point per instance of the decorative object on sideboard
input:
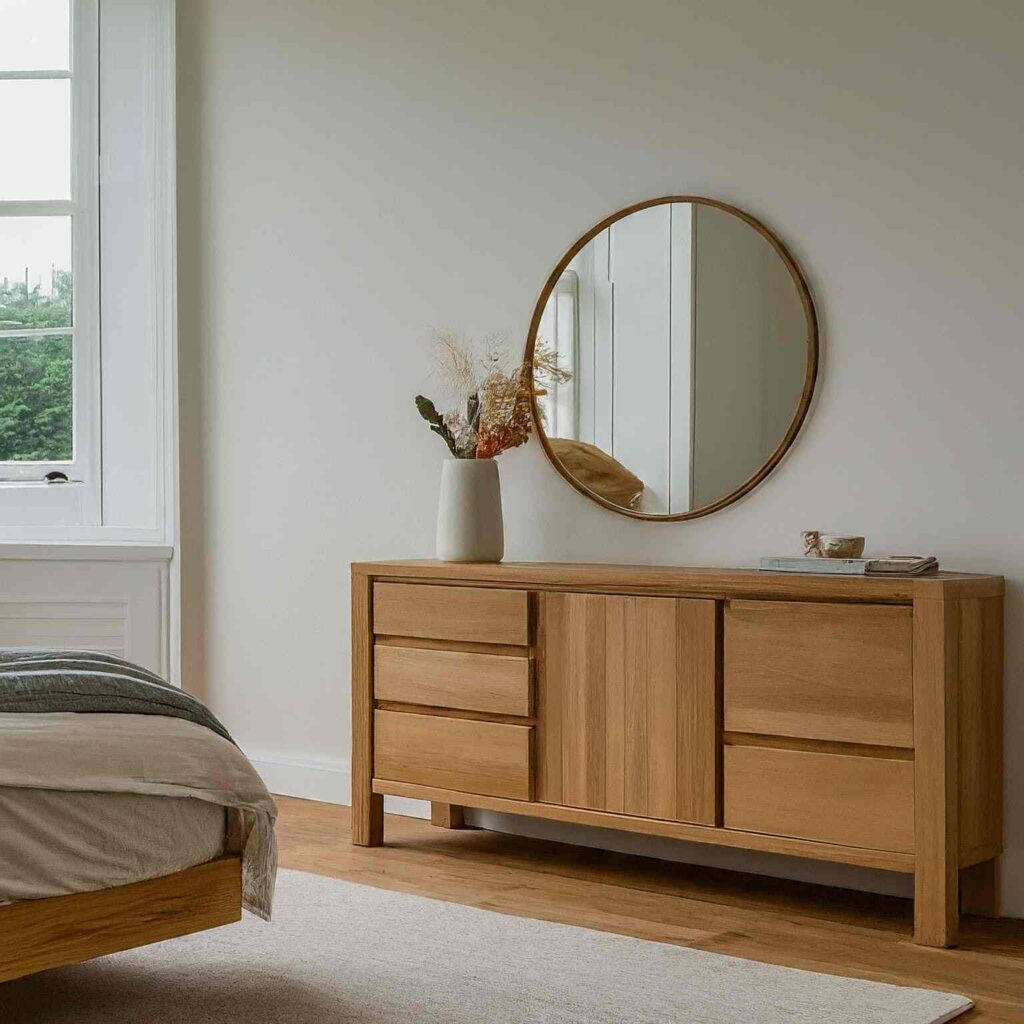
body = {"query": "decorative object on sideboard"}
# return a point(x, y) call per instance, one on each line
point(692, 341)
point(885, 565)
point(470, 527)
point(831, 545)
point(491, 395)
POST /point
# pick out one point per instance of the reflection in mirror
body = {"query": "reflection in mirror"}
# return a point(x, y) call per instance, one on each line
point(688, 341)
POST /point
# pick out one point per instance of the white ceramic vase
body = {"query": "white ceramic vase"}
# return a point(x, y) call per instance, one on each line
point(469, 523)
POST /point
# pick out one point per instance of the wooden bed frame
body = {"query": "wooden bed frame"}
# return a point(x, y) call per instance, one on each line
point(37, 935)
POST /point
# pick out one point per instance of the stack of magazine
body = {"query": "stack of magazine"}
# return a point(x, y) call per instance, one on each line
point(888, 565)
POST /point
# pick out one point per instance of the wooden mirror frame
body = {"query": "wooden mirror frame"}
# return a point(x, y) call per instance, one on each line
point(810, 377)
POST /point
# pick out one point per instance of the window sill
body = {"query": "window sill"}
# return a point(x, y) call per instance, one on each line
point(41, 483)
point(71, 551)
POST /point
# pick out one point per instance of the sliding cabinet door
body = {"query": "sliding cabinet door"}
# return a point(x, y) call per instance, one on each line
point(626, 702)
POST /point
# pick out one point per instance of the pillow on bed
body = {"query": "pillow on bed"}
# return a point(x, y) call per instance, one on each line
point(598, 471)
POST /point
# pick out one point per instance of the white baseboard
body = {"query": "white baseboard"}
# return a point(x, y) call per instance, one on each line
point(326, 780)
point(406, 807)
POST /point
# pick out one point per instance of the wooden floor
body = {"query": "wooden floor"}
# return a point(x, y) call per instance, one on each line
point(829, 930)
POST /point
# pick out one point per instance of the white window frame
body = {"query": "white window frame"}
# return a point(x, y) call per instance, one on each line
point(83, 209)
point(561, 404)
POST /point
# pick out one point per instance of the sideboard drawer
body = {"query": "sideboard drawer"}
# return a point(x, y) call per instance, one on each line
point(820, 671)
point(489, 758)
point(830, 798)
point(467, 680)
point(474, 614)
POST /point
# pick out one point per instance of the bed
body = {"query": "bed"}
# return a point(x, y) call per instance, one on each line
point(127, 813)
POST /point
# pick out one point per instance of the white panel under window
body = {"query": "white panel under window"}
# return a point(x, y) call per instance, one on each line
point(115, 604)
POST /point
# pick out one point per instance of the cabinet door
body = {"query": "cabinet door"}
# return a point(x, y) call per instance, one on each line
point(627, 705)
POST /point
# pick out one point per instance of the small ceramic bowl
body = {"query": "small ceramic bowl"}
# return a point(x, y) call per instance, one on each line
point(832, 545)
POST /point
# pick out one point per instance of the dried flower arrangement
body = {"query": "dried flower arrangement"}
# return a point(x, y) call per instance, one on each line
point(491, 392)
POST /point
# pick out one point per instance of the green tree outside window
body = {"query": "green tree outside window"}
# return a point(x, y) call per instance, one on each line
point(35, 373)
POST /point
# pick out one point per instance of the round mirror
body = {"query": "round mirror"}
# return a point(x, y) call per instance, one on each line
point(689, 346)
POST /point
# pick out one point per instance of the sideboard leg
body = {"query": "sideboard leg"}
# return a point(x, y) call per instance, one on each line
point(979, 889)
point(936, 916)
point(447, 816)
point(936, 797)
point(367, 806)
point(367, 819)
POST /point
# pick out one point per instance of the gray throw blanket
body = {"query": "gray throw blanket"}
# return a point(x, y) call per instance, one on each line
point(39, 682)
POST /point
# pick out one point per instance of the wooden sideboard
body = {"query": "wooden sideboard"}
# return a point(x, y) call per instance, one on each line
point(844, 719)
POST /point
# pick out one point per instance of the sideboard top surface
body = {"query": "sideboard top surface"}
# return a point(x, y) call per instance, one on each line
point(695, 581)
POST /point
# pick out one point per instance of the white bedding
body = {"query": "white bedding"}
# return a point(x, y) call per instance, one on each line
point(53, 843)
point(140, 755)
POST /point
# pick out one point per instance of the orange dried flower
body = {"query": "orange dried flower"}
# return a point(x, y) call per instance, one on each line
point(499, 405)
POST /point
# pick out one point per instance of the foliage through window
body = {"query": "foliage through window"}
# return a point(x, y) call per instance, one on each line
point(47, 228)
point(35, 373)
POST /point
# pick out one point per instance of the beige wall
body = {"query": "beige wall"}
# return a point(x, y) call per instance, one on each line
point(355, 173)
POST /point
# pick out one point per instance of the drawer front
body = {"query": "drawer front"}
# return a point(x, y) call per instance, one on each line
point(473, 614)
point(488, 758)
point(495, 683)
point(820, 671)
point(830, 798)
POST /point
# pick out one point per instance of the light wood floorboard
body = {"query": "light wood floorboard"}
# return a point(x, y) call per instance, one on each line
point(833, 931)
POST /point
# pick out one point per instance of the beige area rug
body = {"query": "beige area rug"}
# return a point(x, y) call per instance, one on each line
point(339, 953)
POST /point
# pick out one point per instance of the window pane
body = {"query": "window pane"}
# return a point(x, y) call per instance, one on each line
point(35, 399)
point(35, 273)
point(35, 35)
point(35, 117)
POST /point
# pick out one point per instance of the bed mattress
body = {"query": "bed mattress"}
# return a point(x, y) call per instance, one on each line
point(54, 842)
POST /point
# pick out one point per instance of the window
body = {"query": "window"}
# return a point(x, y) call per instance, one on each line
point(560, 328)
point(49, 240)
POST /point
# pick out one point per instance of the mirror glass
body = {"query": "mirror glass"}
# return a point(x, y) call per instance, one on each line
point(691, 342)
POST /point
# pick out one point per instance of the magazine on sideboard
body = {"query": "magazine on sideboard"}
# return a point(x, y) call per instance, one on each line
point(886, 565)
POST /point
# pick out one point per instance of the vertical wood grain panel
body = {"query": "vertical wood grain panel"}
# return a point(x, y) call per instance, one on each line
point(621, 709)
point(936, 799)
point(646, 635)
point(628, 699)
point(583, 701)
point(697, 721)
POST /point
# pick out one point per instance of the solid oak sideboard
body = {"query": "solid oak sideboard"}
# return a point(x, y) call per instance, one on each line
point(845, 719)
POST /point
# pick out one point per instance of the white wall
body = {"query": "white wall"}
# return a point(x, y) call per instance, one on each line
point(353, 174)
